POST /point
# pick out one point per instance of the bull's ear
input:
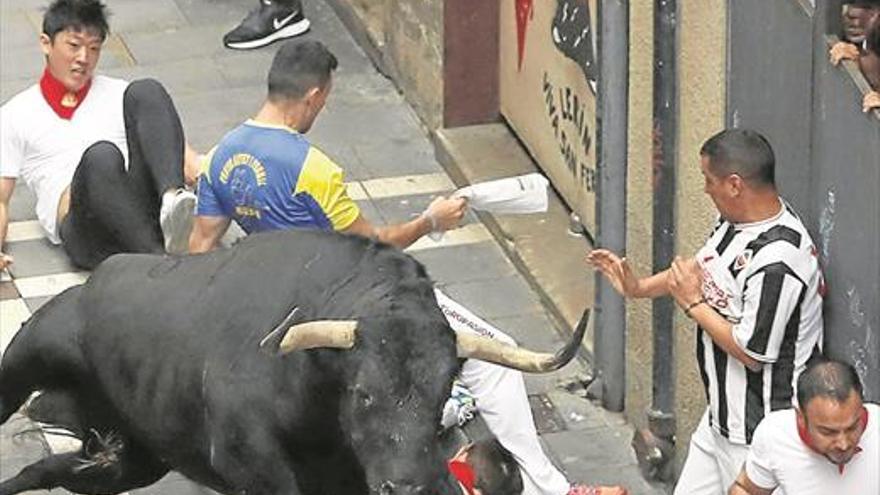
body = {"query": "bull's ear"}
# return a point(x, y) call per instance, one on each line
point(336, 334)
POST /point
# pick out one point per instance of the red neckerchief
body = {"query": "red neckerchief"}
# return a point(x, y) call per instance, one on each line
point(63, 101)
point(464, 473)
point(808, 441)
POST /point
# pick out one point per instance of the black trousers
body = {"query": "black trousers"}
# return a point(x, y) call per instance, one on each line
point(117, 211)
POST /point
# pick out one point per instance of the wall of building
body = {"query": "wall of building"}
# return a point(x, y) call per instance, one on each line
point(702, 89)
point(640, 206)
point(408, 37)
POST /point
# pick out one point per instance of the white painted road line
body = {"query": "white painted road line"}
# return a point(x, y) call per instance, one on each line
point(408, 185)
point(469, 234)
point(24, 231)
point(13, 312)
point(48, 285)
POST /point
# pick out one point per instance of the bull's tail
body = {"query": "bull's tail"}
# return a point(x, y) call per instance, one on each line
point(43, 354)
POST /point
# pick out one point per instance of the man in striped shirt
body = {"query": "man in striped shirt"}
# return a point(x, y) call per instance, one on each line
point(754, 290)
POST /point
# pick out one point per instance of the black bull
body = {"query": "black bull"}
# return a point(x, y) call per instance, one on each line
point(172, 363)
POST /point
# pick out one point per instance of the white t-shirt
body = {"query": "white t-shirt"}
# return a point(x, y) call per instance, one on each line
point(44, 149)
point(779, 458)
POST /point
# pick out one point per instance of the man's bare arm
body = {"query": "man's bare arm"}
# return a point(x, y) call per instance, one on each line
point(207, 232)
point(442, 214)
point(744, 486)
point(400, 235)
point(7, 185)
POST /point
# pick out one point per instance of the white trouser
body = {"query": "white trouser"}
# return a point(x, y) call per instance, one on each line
point(500, 395)
point(712, 463)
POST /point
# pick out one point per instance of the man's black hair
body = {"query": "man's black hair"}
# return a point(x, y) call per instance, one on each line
point(825, 378)
point(77, 15)
point(298, 67)
point(743, 152)
point(495, 468)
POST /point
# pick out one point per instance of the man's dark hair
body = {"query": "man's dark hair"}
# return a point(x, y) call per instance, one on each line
point(77, 15)
point(743, 152)
point(495, 468)
point(825, 378)
point(298, 67)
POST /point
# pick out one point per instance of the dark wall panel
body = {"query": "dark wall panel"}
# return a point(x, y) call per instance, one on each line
point(769, 89)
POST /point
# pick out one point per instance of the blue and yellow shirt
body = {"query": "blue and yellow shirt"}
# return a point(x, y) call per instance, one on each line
point(270, 178)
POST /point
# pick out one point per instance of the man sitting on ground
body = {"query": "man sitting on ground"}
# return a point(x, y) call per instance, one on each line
point(103, 157)
point(830, 444)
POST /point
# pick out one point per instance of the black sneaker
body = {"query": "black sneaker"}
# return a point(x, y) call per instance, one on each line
point(266, 24)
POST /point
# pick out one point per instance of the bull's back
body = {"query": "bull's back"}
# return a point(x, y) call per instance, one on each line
point(170, 336)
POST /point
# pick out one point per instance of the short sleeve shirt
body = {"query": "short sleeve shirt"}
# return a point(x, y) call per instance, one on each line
point(271, 178)
point(779, 458)
point(43, 149)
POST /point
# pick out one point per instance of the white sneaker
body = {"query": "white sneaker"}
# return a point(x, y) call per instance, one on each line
point(176, 220)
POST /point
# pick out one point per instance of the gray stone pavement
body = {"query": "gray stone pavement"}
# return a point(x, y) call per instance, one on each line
point(368, 128)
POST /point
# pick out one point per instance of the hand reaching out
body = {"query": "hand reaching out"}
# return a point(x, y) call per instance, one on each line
point(616, 270)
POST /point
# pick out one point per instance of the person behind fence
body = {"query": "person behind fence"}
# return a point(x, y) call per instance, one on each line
point(270, 21)
point(753, 291)
point(830, 444)
point(870, 65)
point(856, 19)
point(265, 175)
point(104, 158)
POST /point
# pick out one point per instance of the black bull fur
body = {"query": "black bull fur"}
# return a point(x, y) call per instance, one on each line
point(159, 361)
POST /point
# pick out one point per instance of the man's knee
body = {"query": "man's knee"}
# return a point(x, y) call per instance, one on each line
point(144, 90)
point(103, 159)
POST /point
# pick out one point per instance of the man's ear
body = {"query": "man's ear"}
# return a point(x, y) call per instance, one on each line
point(801, 420)
point(736, 185)
point(311, 94)
point(45, 43)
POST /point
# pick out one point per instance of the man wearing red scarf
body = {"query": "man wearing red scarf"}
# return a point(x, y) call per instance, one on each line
point(103, 157)
point(830, 444)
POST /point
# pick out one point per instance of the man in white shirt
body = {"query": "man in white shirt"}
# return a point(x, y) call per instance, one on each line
point(829, 445)
point(101, 155)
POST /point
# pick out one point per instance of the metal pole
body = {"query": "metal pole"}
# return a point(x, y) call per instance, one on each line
point(665, 129)
point(655, 446)
point(610, 341)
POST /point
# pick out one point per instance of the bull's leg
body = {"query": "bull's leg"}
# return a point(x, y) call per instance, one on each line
point(106, 464)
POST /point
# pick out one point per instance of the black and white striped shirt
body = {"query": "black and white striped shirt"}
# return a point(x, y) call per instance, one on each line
point(764, 278)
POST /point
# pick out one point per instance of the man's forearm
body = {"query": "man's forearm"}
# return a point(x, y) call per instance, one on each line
point(653, 286)
point(721, 332)
point(4, 224)
point(404, 234)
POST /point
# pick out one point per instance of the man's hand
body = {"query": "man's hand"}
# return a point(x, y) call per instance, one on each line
point(843, 51)
point(685, 281)
point(445, 213)
point(871, 101)
point(5, 260)
point(616, 270)
point(612, 490)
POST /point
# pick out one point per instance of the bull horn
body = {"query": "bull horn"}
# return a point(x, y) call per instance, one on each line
point(474, 346)
point(336, 334)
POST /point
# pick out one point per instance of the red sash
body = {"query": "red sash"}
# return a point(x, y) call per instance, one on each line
point(63, 101)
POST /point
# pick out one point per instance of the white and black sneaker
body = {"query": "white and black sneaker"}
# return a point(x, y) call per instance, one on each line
point(266, 24)
point(176, 219)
